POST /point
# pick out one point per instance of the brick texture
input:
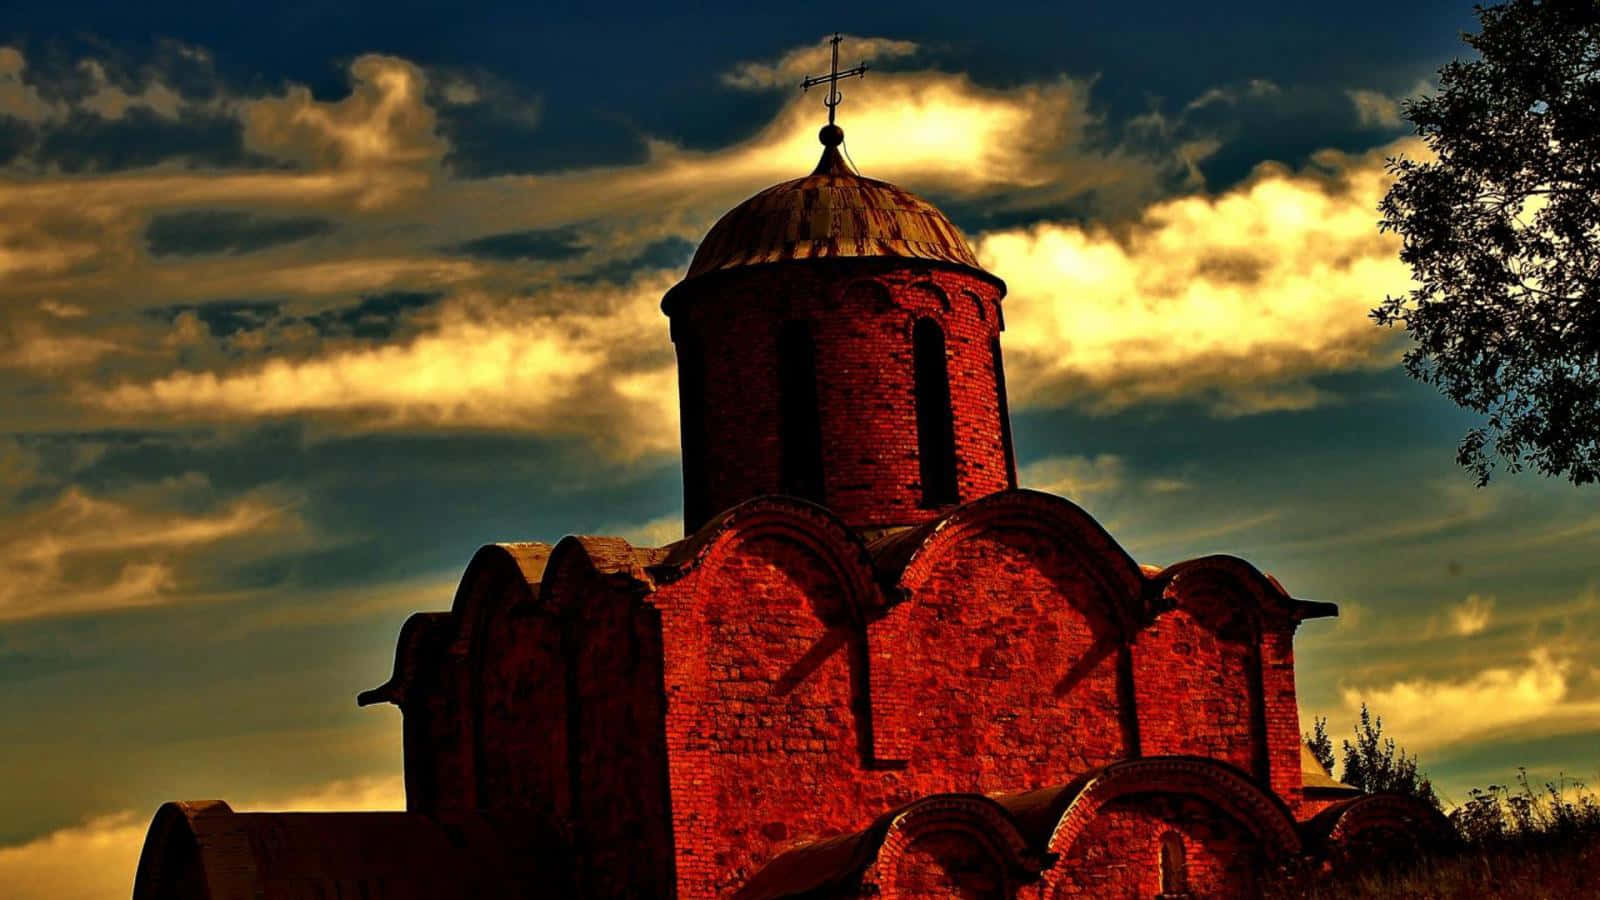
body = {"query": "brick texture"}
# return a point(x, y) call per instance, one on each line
point(862, 314)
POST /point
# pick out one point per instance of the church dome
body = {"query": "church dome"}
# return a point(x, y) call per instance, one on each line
point(832, 213)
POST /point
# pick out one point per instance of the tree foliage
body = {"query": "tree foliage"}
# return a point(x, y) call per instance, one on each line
point(1320, 743)
point(1502, 233)
point(1374, 763)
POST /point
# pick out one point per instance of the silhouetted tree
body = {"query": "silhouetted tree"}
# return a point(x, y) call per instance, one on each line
point(1502, 234)
point(1320, 743)
point(1374, 763)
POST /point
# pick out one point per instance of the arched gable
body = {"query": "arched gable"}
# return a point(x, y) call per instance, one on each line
point(961, 844)
point(1020, 599)
point(1135, 828)
point(1224, 786)
point(174, 863)
point(769, 726)
point(1374, 827)
point(1235, 699)
point(811, 528)
point(904, 560)
point(1269, 602)
point(918, 835)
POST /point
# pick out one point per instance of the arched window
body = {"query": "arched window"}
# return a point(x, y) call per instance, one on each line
point(692, 422)
point(800, 434)
point(936, 437)
point(1005, 412)
point(1174, 868)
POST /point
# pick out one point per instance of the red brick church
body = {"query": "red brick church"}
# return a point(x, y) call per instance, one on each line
point(872, 667)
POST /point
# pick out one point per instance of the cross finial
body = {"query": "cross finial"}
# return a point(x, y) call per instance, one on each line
point(834, 98)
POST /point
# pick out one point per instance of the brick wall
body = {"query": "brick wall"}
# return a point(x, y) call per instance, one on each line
point(862, 313)
point(1119, 854)
point(1009, 663)
point(1197, 682)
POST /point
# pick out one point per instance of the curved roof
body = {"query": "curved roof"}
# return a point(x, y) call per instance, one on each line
point(833, 212)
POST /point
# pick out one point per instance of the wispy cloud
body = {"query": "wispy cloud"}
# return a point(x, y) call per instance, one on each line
point(83, 553)
point(787, 71)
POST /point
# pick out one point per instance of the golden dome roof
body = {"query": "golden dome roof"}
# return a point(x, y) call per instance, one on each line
point(832, 213)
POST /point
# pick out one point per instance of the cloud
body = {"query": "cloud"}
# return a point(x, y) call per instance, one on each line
point(1074, 477)
point(1472, 615)
point(1375, 109)
point(657, 532)
point(1232, 299)
point(1535, 699)
point(596, 365)
point(81, 553)
point(226, 231)
point(788, 70)
point(95, 860)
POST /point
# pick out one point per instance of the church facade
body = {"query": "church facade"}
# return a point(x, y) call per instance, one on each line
point(872, 667)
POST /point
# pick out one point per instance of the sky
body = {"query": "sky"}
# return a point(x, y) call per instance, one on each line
point(303, 305)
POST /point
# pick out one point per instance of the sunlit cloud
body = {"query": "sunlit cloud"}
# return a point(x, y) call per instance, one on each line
point(598, 366)
point(83, 553)
point(1538, 698)
point(1472, 615)
point(1233, 299)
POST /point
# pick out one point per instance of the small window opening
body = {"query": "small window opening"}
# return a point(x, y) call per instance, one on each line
point(1174, 868)
point(692, 419)
point(800, 444)
point(1004, 408)
point(936, 439)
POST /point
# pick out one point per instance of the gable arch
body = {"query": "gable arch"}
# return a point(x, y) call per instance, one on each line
point(1269, 602)
point(1019, 598)
point(1373, 827)
point(810, 527)
point(1223, 786)
point(946, 832)
point(907, 559)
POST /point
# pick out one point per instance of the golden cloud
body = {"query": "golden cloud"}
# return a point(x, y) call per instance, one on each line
point(1236, 297)
point(82, 553)
point(599, 365)
point(1535, 698)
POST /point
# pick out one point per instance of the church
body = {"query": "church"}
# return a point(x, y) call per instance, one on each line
point(873, 666)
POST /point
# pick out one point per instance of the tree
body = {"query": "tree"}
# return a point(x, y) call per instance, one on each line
point(1374, 763)
point(1502, 233)
point(1320, 743)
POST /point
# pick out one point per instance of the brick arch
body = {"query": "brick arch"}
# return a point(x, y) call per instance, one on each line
point(1042, 635)
point(909, 557)
point(927, 834)
point(809, 526)
point(928, 298)
point(1227, 788)
point(1269, 601)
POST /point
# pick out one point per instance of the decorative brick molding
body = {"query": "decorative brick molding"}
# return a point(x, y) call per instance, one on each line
point(1230, 790)
point(945, 822)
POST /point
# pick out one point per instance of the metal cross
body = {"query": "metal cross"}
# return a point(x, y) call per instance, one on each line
point(832, 79)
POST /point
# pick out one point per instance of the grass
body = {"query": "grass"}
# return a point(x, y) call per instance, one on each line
point(1517, 842)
